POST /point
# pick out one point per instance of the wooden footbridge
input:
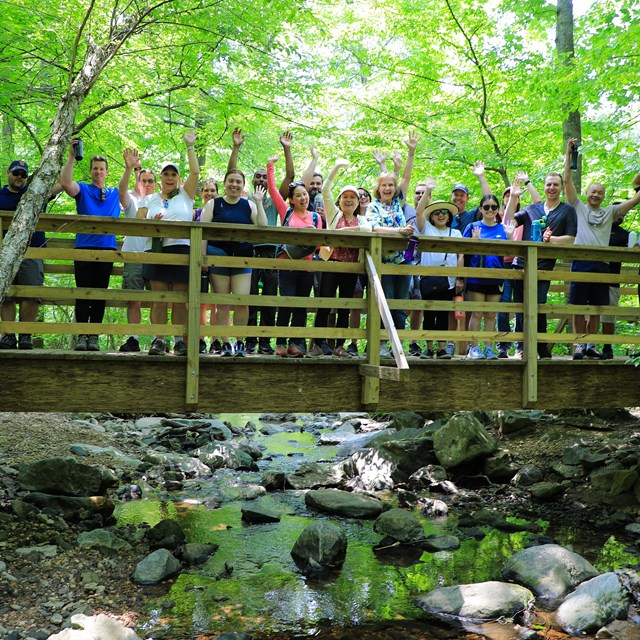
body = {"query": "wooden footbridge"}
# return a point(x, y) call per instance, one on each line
point(51, 379)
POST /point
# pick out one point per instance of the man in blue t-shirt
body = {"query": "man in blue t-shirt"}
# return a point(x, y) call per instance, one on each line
point(30, 272)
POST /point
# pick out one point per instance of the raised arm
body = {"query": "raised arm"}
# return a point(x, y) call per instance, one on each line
point(533, 192)
point(514, 193)
point(381, 160)
point(238, 139)
point(397, 163)
point(191, 183)
point(70, 187)
point(289, 171)
point(258, 215)
point(627, 205)
point(278, 200)
point(131, 159)
point(333, 215)
point(412, 143)
point(569, 188)
point(478, 172)
point(307, 176)
point(422, 205)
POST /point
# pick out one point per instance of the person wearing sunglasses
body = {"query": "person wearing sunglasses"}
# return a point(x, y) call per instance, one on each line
point(485, 289)
point(92, 199)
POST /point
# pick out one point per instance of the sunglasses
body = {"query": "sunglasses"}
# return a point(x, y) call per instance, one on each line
point(148, 180)
point(19, 173)
point(492, 207)
point(103, 194)
point(440, 212)
point(293, 185)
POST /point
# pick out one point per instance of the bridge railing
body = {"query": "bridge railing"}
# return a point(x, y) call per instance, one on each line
point(377, 309)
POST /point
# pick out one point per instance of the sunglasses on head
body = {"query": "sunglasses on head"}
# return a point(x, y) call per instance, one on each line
point(293, 185)
point(492, 207)
point(18, 172)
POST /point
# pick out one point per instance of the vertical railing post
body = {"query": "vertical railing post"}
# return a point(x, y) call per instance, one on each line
point(530, 328)
point(193, 319)
point(370, 384)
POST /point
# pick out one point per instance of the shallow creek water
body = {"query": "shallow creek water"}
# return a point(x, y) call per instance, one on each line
point(266, 593)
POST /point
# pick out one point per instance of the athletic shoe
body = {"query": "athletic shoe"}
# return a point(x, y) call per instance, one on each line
point(316, 351)
point(543, 352)
point(294, 351)
point(450, 349)
point(215, 346)
point(578, 352)
point(8, 341)
point(352, 350)
point(519, 354)
point(326, 349)
point(130, 345)
point(414, 350)
point(489, 353)
point(385, 352)
point(443, 354)
point(341, 352)
point(158, 348)
point(240, 349)
point(226, 350)
point(475, 353)
point(266, 350)
point(202, 346)
point(281, 350)
point(180, 348)
point(92, 343)
point(592, 353)
point(250, 348)
point(607, 354)
point(81, 342)
point(502, 354)
point(427, 353)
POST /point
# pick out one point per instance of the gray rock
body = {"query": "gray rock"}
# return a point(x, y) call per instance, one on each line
point(546, 490)
point(83, 450)
point(400, 525)
point(313, 476)
point(527, 476)
point(435, 543)
point(433, 508)
point(593, 604)
point(566, 471)
point(426, 476)
point(93, 627)
point(259, 514)
point(44, 551)
point(103, 539)
point(188, 465)
point(66, 506)
point(274, 480)
point(235, 635)
point(344, 433)
point(362, 441)
point(156, 567)
point(343, 503)
point(23, 509)
point(406, 420)
point(167, 534)
point(462, 440)
point(224, 455)
point(482, 601)
point(580, 455)
point(195, 553)
point(321, 546)
point(514, 421)
point(219, 430)
point(633, 529)
point(61, 477)
point(613, 481)
point(499, 467)
point(549, 570)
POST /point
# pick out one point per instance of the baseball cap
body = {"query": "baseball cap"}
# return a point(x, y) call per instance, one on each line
point(349, 188)
point(19, 165)
point(460, 187)
point(166, 165)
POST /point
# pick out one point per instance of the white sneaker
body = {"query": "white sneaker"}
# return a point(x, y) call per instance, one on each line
point(385, 352)
point(475, 353)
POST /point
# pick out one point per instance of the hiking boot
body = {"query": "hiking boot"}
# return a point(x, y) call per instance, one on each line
point(281, 350)
point(92, 343)
point(81, 342)
point(316, 351)
point(341, 352)
point(592, 353)
point(543, 352)
point(503, 354)
point(131, 345)
point(428, 353)
point(24, 342)
point(249, 348)
point(180, 348)
point(8, 341)
point(414, 350)
point(215, 346)
point(266, 350)
point(294, 351)
point(226, 350)
point(202, 346)
point(241, 350)
point(475, 353)
point(158, 348)
point(578, 352)
point(326, 349)
point(352, 350)
point(443, 354)
point(489, 353)
point(385, 352)
point(607, 353)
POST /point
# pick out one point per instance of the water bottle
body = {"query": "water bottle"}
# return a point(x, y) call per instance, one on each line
point(318, 201)
point(410, 251)
point(574, 157)
point(633, 239)
point(458, 313)
point(79, 152)
point(536, 231)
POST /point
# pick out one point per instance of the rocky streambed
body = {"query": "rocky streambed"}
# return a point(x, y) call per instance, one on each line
point(498, 525)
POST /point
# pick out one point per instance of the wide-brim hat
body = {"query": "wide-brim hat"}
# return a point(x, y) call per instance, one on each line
point(438, 205)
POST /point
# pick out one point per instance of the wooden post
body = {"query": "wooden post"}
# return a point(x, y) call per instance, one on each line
point(530, 328)
point(193, 320)
point(371, 385)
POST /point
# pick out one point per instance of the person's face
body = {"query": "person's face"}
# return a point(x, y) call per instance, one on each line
point(234, 185)
point(147, 183)
point(300, 198)
point(315, 186)
point(260, 178)
point(439, 218)
point(209, 191)
point(349, 201)
point(460, 199)
point(489, 209)
point(417, 194)
point(553, 187)
point(364, 198)
point(595, 195)
point(170, 180)
point(387, 189)
point(16, 178)
point(98, 172)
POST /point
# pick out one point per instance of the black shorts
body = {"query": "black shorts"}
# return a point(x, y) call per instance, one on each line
point(486, 289)
point(168, 272)
point(594, 293)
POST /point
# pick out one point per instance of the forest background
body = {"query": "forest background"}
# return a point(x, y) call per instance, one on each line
point(503, 81)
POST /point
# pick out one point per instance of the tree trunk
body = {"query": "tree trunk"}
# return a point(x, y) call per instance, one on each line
point(571, 127)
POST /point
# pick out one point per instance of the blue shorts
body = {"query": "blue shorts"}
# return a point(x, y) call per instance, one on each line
point(224, 271)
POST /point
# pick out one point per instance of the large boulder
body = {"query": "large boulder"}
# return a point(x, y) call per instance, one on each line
point(156, 567)
point(98, 627)
point(593, 604)
point(320, 547)
point(549, 570)
point(61, 477)
point(462, 440)
point(482, 601)
point(312, 476)
point(69, 506)
point(103, 539)
point(343, 503)
point(400, 525)
point(224, 455)
point(167, 534)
